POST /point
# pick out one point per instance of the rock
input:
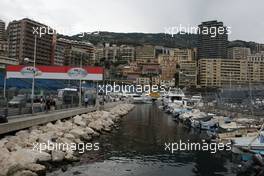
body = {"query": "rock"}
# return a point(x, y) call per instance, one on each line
point(86, 116)
point(86, 137)
point(69, 156)
point(96, 134)
point(107, 129)
point(15, 168)
point(57, 155)
point(17, 159)
point(37, 168)
point(13, 145)
point(5, 161)
point(58, 123)
point(96, 125)
point(23, 134)
point(64, 140)
point(69, 136)
point(25, 173)
point(18, 168)
point(89, 131)
point(77, 132)
point(105, 114)
point(45, 137)
point(25, 156)
point(79, 121)
point(77, 140)
point(3, 142)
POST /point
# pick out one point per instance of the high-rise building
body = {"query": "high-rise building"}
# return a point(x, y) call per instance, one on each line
point(21, 41)
point(212, 40)
point(4, 59)
point(238, 52)
point(73, 53)
point(2, 30)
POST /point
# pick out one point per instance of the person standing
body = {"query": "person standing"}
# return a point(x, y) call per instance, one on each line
point(48, 103)
point(42, 103)
point(86, 101)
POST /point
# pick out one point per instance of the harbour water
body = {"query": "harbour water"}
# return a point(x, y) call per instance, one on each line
point(137, 148)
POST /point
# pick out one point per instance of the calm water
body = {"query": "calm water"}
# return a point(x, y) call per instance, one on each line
point(137, 149)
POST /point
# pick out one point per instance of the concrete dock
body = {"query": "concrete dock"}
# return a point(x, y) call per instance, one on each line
point(26, 121)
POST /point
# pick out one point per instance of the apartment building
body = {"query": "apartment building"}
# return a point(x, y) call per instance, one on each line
point(2, 30)
point(238, 52)
point(168, 66)
point(231, 72)
point(145, 53)
point(73, 53)
point(21, 42)
point(181, 63)
point(186, 68)
point(114, 53)
point(187, 74)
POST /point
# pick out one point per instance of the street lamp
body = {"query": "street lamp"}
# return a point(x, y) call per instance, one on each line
point(26, 60)
point(80, 83)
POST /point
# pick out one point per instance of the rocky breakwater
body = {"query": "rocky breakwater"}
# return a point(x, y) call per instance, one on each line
point(28, 151)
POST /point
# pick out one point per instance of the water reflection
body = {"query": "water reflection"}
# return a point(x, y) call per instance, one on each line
point(137, 148)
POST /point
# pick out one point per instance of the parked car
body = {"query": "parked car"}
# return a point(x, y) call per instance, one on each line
point(18, 101)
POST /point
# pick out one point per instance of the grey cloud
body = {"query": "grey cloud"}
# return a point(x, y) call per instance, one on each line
point(244, 16)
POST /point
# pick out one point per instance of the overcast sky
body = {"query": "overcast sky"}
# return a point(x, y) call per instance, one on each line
point(245, 17)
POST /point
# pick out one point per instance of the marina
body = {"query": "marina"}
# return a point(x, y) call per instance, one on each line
point(137, 146)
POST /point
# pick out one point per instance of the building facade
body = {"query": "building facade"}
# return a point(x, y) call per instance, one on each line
point(231, 72)
point(186, 68)
point(2, 30)
point(212, 44)
point(114, 53)
point(168, 66)
point(145, 53)
point(73, 53)
point(21, 42)
point(238, 52)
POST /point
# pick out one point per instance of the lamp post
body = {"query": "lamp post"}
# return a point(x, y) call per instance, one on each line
point(34, 74)
point(103, 85)
point(80, 85)
point(4, 88)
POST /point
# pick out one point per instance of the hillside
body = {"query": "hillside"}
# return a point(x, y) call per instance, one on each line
point(159, 39)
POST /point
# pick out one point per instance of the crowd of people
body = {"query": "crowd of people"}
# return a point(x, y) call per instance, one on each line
point(48, 103)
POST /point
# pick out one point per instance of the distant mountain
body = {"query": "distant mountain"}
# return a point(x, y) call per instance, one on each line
point(159, 39)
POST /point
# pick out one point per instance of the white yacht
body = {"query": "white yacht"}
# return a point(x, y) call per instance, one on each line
point(174, 95)
point(141, 98)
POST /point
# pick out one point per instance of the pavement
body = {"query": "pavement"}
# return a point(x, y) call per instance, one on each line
point(24, 121)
